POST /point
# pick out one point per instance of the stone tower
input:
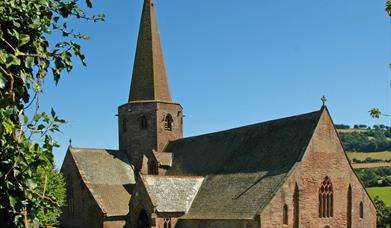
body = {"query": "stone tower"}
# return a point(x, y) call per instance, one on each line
point(150, 119)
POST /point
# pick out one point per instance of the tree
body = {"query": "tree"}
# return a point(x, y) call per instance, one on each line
point(31, 190)
point(383, 213)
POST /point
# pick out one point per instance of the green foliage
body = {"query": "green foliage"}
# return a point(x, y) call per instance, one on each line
point(375, 177)
point(383, 213)
point(388, 7)
point(31, 190)
point(360, 141)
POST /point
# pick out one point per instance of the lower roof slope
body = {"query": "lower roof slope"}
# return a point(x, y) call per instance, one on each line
point(108, 176)
point(243, 166)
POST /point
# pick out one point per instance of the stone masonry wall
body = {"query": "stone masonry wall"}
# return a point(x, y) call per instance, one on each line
point(324, 157)
point(136, 141)
point(86, 213)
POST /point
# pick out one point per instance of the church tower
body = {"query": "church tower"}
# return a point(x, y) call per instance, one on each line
point(150, 119)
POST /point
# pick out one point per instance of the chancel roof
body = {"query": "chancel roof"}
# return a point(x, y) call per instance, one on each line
point(170, 193)
point(243, 167)
point(108, 176)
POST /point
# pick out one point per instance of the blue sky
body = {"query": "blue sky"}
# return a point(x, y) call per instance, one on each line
point(232, 63)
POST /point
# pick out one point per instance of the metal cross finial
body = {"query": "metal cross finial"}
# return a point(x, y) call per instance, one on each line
point(324, 99)
point(70, 142)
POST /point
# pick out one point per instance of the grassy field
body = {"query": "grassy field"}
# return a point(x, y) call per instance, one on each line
point(383, 192)
point(385, 155)
point(350, 130)
point(371, 165)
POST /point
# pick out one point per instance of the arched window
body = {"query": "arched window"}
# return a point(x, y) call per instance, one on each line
point(143, 123)
point(296, 200)
point(361, 210)
point(167, 223)
point(326, 199)
point(168, 122)
point(143, 221)
point(349, 197)
point(285, 214)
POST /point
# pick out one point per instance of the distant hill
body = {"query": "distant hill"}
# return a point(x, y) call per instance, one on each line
point(365, 139)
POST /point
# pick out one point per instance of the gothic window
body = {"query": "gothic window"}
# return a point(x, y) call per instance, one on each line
point(326, 199)
point(168, 122)
point(167, 223)
point(285, 214)
point(143, 123)
point(349, 198)
point(361, 210)
point(296, 200)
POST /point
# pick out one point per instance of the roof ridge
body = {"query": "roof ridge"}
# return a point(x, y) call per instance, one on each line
point(249, 125)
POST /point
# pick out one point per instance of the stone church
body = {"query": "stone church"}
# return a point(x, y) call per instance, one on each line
point(289, 172)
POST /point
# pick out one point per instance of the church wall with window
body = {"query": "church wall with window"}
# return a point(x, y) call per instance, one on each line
point(83, 211)
point(323, 178)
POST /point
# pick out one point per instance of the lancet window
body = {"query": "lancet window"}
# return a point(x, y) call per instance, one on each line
point(285, 214)
point(167, 223)
point(168, 122)
point(143, 123)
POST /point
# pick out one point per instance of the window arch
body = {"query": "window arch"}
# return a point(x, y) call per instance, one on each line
point(167, 223)
point(168, 120)
point(326, 199)
point(285, 214)
point(361, 210)
point(143, 123)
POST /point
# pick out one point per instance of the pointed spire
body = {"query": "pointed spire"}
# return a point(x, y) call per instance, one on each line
point(149, 80)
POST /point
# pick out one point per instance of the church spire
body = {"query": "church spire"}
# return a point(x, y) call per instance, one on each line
point(149, 80)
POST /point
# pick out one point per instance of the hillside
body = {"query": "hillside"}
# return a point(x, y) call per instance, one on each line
point(369, 150)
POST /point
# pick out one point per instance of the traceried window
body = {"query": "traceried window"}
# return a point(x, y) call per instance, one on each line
point(168, 122)
point(143, 123)
point(326, 199)
point(361, 210)
point(167, 223)
point(285, 214)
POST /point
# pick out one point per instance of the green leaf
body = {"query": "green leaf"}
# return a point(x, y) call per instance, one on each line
point(29, 61)
point(23, 39)
point(12, 201)
point(3, 81)
point(8, 125)
point(11, 59)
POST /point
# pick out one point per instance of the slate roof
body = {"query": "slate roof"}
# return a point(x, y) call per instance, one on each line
point(170, 193)
point(243, 167)
point(108, 176)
